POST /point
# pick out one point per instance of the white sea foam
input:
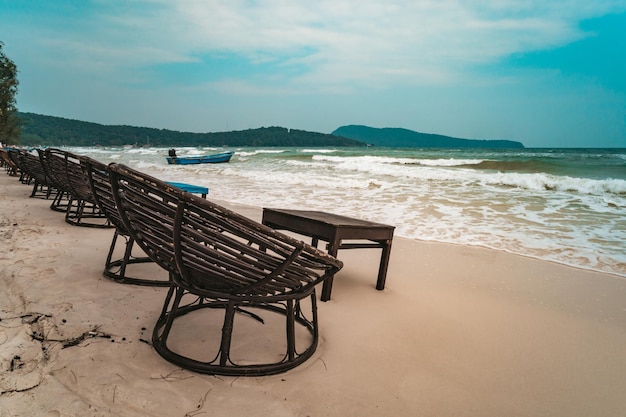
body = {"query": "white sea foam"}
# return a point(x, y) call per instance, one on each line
point(260, 151)
point(359, 160)
point(448, 162)
point(318, 150)
point(529, 181)
point(142, 151)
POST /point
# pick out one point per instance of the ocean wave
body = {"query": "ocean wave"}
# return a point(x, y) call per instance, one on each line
point(143, 151)
point(469, 171)
point(544, 182)
point(531, 166)
point(358, 159)
point(447, 162)
point(260, 152)
point(318, 150)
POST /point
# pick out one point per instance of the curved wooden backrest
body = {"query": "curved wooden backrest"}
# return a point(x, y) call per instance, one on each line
point(32, 165)
point(213, 251)
point(54, 164)
point(98, 176)
point(13, 154)
point(77, 178)
point(7, 162)
point(147, 208)
point(65, 169)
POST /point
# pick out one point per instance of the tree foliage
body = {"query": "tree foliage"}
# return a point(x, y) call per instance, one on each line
point(41, 130)
point(397, 137)
point(9, 122)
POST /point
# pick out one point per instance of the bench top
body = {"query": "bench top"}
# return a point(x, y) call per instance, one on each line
point(190, 188)
point(327, 218)
point(327, 226)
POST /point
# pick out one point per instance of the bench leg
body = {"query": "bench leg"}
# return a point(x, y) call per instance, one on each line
point(327, 287)
point(384, 264)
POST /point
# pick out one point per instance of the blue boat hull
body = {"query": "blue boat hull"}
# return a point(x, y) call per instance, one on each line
point(204, 159)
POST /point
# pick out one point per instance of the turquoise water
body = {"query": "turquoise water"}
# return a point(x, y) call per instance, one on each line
point(561, 205)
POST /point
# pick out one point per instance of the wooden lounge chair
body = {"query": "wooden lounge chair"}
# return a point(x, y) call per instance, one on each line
point(61, 199)
point(98, 178)
point(14, 154)
point(218, 261)
point(9, 166)
point(32, 165)
point(82, 209)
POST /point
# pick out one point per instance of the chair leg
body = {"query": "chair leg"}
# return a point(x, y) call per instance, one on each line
point(116, 269)
point(291, 330)
point(69, 210)
point(169, 317)
point(80, 211)
point(222, 363)
point(35, 189)
point(58, 203)
point(314, 316)
point(227, 334)
point(107, 263)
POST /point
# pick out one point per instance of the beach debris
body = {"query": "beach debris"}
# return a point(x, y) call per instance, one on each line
point(26, 344)
point(142, 339)
point(27, 318)
point(72, 341)
point(16, 363)
point(199, 407)
point(173, 376)
point(22, 358)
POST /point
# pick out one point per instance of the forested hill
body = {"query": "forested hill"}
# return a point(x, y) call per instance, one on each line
point(397, 137)
point(40, 130)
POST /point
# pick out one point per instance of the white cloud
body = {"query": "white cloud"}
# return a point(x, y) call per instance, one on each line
point(374, 41)
point(331, 42)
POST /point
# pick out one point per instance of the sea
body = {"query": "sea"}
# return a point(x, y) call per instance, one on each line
point(561, 205)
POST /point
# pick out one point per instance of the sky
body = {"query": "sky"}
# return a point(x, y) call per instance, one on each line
point(545, 73)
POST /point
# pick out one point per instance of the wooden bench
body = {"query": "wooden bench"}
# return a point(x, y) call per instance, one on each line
point(335, 230)
point(190, 188)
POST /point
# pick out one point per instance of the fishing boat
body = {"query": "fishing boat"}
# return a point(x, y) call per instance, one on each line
point(216, 158)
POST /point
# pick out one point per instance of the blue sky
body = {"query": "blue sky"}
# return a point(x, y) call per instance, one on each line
point(546, 73)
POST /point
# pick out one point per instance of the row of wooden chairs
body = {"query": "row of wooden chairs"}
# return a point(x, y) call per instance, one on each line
point(7, 162)
point(216, 260)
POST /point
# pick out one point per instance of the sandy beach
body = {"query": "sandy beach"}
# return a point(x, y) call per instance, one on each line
point(459, 331)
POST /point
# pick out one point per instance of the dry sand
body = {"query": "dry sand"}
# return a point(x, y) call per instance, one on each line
point(459, 331)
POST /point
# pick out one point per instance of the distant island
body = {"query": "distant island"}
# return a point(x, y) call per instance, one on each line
point(41, 130)
point(404, 138)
